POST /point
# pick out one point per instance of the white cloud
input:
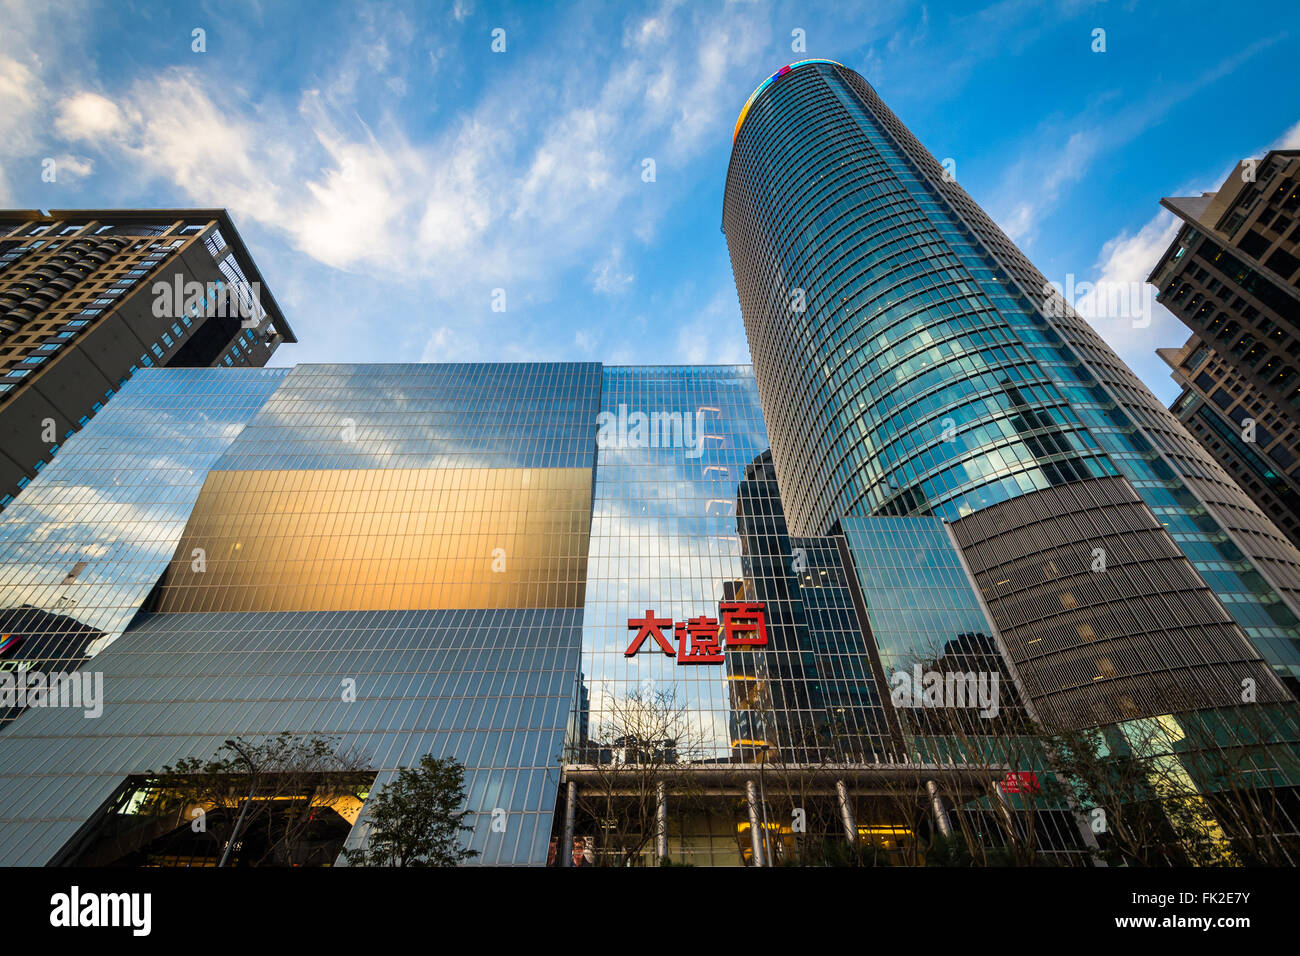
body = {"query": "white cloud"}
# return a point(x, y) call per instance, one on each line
point(69, 167)
point(89, 116)
point(173, 128)
point(572, 171)
point(710, 98)
point(609, 276)
point(18, 91)
point(34, 38)
point(1289, 140)
point(19, 96)
point(352, 205)
point(1121, 305)
point(716, 334)
point(1032, 187)
point(447, 344)
point(1042, 179)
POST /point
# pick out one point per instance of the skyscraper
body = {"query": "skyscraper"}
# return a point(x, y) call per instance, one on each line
point(1244, 427)
point(88, 297)
point(1232, 275)
point(911, 361)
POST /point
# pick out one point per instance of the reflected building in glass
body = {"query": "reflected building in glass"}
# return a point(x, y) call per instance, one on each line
point(80, 553)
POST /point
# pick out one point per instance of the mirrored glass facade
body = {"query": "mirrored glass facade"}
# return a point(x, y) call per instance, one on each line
point(490, 687)
point(682, 528)
point(83, 547)
point(923, 610)
point(390, 555)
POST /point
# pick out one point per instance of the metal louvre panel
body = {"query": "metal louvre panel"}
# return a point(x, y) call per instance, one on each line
point(1141, 635)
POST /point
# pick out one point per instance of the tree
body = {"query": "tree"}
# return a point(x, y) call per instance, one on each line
point(263, 798)
point(1188, 788)
point(1198, 789)
point(645, 742)
point(416, 820)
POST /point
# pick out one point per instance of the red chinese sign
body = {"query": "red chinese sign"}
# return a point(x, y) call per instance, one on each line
point(1021, 781)
point(700, 640)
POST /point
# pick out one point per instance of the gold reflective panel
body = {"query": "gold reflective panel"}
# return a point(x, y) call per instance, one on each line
point(361, 539)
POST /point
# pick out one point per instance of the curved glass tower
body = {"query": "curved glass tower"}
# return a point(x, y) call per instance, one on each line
point(911, 361)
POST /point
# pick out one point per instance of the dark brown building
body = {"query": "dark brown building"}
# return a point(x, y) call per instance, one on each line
point(1255, 439)
point(88, 297)
point(1232, 275)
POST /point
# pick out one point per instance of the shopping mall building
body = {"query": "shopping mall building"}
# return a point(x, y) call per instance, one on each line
point(841, 605)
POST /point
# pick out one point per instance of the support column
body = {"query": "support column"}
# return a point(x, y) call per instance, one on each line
point(940, 812)
point(571, 799)
point(1000, 799)
point(755, 834)
point(846, 812)
point(661, 821)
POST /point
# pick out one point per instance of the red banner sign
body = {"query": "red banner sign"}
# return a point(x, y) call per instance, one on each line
point(1020, 781)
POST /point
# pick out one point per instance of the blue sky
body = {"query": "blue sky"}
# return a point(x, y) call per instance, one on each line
point(389, 170)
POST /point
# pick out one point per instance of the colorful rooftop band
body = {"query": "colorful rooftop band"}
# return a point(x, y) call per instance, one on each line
point(766, 83)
